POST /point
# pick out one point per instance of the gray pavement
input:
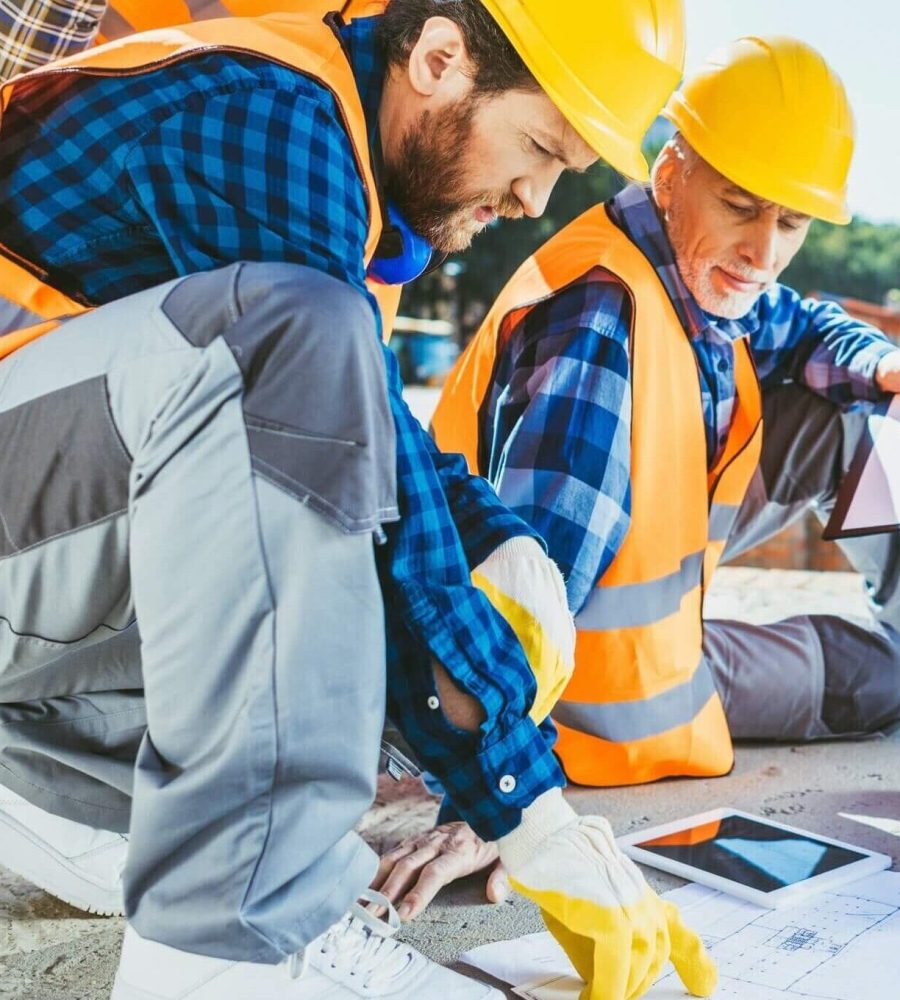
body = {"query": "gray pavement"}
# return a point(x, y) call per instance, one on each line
point(806, 786)
point(49, 951)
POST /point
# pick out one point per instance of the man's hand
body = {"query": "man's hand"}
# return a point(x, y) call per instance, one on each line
point(413, 873)
point(887, 374)
point(617, 932)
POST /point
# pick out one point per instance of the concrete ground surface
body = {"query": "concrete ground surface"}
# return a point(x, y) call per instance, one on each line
point(49, 951)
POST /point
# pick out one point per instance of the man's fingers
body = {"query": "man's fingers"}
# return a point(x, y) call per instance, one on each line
point(416, 870)
point(657, 956)
point(689, 956)
point(388, 861)
point(497, 884)
point(405, 872)
point(434, 877)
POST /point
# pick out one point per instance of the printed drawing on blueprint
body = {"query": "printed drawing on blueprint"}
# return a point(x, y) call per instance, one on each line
point(841, 945)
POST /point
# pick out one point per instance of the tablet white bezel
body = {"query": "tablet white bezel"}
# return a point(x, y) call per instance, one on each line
point(785, 896)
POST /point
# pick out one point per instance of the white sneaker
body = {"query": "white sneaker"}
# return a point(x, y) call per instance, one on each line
point(356, 958)
point(70, 860)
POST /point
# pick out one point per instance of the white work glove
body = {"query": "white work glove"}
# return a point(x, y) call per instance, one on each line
point(527, 589)
point(617, 932)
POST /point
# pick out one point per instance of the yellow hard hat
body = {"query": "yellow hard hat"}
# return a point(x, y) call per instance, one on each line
point(772, 116)
point(609, 67)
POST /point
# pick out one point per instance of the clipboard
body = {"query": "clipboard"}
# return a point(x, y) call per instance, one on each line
point(868, 500)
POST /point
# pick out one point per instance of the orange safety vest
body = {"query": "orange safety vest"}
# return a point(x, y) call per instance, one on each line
point(125, 17)
point(641, 704)
point(29, 305)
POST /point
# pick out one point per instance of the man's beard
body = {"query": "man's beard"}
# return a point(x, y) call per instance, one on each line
point(428, 179)
point(697, 275)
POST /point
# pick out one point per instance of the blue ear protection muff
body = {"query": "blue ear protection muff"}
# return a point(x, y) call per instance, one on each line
point(402, 255)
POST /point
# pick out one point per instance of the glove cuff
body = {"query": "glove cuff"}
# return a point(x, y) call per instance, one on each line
point(522, 546)
point(545, 816)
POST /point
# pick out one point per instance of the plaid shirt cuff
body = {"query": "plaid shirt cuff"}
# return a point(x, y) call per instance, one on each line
point(491, 789)
point(851, 382)
point(492, 775)
point(488, 780)
point(862, 369)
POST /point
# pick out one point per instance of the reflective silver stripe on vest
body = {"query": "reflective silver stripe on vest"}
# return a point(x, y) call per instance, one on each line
point(624, 721)
point(721, 518)
point(635, 604)
point(15, 317)
point(202, 10)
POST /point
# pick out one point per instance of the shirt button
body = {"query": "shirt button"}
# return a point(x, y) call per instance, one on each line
point(433, 702)
point(723, 365)
point(507, 783)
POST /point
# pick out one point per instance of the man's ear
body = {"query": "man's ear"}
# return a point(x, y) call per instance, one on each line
point(663, 175)
point(439, 62)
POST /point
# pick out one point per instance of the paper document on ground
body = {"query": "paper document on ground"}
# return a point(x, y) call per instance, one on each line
point(868, 500)
point(884, 823)
point(841, 945)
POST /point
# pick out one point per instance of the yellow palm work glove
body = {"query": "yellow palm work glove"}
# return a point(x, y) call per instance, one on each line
point(527, 589)
point(617, 932)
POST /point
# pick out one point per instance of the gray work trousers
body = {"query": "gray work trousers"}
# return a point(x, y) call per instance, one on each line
point(191, 626)
point(811, 676)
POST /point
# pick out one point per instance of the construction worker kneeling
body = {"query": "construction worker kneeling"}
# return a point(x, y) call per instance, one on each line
point(649, 398)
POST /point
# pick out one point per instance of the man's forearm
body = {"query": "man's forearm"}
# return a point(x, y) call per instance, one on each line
point(460, 709)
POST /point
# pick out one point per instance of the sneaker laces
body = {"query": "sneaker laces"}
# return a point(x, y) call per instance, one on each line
point(361, 944)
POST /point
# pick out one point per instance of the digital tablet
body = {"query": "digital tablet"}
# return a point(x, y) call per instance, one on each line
point(756, 859)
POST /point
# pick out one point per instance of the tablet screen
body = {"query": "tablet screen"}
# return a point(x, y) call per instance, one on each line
point(751, 852)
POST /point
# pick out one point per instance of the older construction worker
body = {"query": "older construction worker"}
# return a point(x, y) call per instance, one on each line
point(205, 451)
point(646, 395)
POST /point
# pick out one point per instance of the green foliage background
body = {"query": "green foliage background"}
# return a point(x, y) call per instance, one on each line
point(861, 260)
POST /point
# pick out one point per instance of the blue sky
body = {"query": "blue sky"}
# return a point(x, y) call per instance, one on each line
point(861, 40)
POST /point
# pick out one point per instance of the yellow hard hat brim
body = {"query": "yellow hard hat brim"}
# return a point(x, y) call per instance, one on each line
point(646, 86)
point(749, 173)
point(625, 157)
point(772, 116)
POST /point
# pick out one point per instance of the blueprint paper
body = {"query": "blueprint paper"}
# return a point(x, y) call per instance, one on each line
point(533, 958)
point(840, 945)
point(883, 823)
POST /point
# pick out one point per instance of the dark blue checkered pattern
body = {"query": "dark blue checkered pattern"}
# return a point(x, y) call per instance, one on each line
point(556, 426)
point(119, 184)
point(433, 611)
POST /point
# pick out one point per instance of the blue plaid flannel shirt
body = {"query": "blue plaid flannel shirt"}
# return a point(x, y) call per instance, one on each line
point(556, 427)
point(118, 184)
